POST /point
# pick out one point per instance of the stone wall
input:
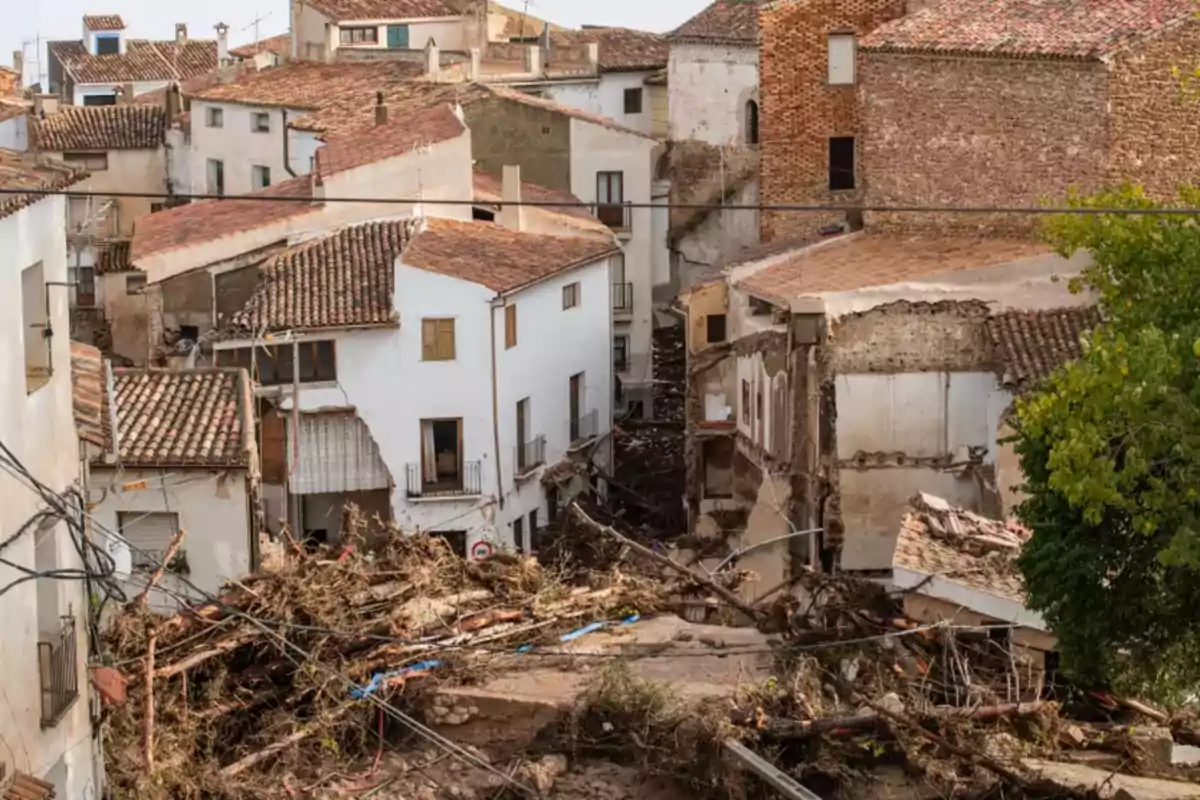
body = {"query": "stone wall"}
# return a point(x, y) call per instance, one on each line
point(504, 133)
point(800, 111)
point(905, 336)
point(978, 132)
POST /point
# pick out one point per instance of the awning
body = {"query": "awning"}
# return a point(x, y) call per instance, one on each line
point(337, 454)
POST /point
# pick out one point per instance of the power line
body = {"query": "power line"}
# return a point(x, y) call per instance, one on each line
point(811, 208)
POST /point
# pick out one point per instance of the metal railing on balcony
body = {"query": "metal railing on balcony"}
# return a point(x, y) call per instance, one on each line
point(57, 670)
point(622, 297)
point(585, 426)
point(618, 216)
point(466, 480)
point(530, 455)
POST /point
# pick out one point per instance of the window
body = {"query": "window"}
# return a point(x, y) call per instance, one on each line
point(570, 295)
point(746, 401)
point(397, 37)
point(441, 455)
point(260, 177)
point(100, 100)
point(189, 332)
point(519, 534)
point(108, 44)
point(260, 122)
point(84, 280)
point(758, 405)
point(135, 283)
point(272, 365)
point(216, 177)
point(620, 353)
point(35, 327)
point(533, 529)
point(149, 535)
point(633, 100)
point(157, 207)
point(214, 117)
point(841, 59)
point(510, 326)
point(365, 35)
point(841, 163)
point(437, 340)
point(92, 162)
point(522, 429)
point(483, 214)
point(610, 199)
point(751, 122)
point(715, 328)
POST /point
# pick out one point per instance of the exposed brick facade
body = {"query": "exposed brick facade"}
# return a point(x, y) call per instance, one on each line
point(982, 131)
point(800, 111)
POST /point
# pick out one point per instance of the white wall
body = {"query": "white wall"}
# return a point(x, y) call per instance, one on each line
point(39, 429)
point(82, 90)
point(212, 508)
point(707, 87)
point(596, 148)
point(238, 146)
point(448, 32)
point(606, 97)
point(14, 133)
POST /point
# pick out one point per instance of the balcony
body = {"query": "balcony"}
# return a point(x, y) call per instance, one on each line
point(57, 670)
point(618, 216)
point(623, 298)
point(585, 427)
point(450, 481)
point(530, 455)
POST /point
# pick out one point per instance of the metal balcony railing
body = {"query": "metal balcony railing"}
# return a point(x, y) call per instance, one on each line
point(57, 670)
point(530, 455)
point(585, 426)
point(466, 481)
point(618, 216)
point(622, 297)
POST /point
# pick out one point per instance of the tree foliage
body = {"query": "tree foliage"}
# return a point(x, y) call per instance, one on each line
point(1110, 448)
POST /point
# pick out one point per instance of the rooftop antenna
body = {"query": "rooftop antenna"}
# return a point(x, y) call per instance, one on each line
point(257, 21)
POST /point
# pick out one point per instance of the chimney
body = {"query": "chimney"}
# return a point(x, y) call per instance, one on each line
point(512, 213)
point(19, 63)
point(476, 64)
point(125, 94)
point(433, 59)
point(45, 104)
point(593, 54)
point(533, 59)
point(222, 44)
point(181, 33)
point(381, 111)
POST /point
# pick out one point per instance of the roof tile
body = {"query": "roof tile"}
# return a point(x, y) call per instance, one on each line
point(142, 61)
point(339, 10)
point(280, 45)
point(113, 257)
point(338, 281)
point(395, 138)
point(124, 127)
point(103, 22)
point(1030, 345)
point(31, 171)
point(87, 392)
point(1076, 29)
point(621, 49)
point(180, 417)
point(723, 22)
point(496, 257)
point(27, 787)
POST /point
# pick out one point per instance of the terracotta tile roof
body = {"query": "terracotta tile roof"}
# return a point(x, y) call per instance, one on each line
point(1030, 345)
point(13, 107)
point(538, 102)
point(723, 22)
point(496, 257)
point(338, 281)
point(280, 45)
point(103, 22)
point(338, 10)
point(142, 61)
point(31, 171)
point(125, 127)
point(396, 138)
point(87, 392)
point(113, 257)
point(180, 417)
point(207, 220)
point(490, 188)
point(1077, 29)
point(621, 49)
point(27, 787)
point(862, 260)
point(963, 547)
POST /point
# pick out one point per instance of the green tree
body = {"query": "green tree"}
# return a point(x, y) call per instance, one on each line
point(1110, 448)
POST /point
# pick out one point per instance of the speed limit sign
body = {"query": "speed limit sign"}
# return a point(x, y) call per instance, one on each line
point(481, 550)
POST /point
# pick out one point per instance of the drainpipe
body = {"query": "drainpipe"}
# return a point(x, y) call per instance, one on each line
point(287, 158)
point(497, 303)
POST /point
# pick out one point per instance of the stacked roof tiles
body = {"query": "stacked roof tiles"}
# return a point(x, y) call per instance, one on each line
point(124, 127)
point(142, 61)
point(103, 22)
point(1029, 345)
point(27, 171)
point(723, 22)
point(620, 49)
point(346, 10)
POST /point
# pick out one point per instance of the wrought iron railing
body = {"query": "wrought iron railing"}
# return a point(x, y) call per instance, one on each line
point(530, 455)
point(585, 426)
point(57, 669)
point(618, 216)
point(622, 297)
point(467, 481)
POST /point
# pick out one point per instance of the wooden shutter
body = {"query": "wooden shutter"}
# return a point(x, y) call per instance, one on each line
point(149, 534)
point(445, 339)
point(429, 330)
point(437, 340)
point(510, 326)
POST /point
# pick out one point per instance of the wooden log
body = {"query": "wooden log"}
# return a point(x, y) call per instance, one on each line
point(726, 595)
point(232, 643)
point(300, 734)
point(172, 549)
point(148, 716)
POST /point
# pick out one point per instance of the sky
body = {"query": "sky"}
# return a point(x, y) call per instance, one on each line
point(25, 20)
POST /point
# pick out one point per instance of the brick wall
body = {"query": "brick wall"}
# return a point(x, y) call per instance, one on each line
point(978, 132)
point(1156, 115)
point(800, 112)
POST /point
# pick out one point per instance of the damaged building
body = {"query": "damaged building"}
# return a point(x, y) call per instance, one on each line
point(829, 383)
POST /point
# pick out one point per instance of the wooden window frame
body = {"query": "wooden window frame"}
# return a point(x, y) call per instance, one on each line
point(570, 296)
point(510, 326)
point(358, 34)
point(214, 117)
point(432, 331)
point(255, 171)
point(634, 100)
